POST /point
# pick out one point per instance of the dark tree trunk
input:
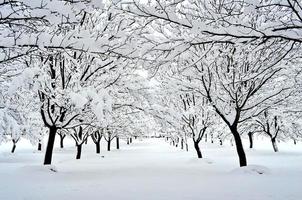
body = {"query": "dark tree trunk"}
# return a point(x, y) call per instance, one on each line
point(50, 144)
point(295, 142)
point(130, 140)
point(275, 147)
point(182, 143)
point(96, 138)
point(79, 151)
point(206, 138)
point(239, 147)
point(86, 141)
point(187, 147)
point(117, 143)
point(212, 138)
point(250, 134)
point(14, 146)
point(62, 141)
point(220, 141)
point(199, 155)
point(173, 143)
point(98, 147)
point(108, 145)
point(39, 146)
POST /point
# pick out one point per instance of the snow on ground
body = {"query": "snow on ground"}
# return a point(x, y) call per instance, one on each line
point(150, 169)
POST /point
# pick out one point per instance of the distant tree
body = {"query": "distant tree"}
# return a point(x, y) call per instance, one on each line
point(80, 135)
point(270, 125)
point(198, 117)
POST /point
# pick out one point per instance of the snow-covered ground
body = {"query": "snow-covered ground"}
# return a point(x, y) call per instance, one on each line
point(151, 169)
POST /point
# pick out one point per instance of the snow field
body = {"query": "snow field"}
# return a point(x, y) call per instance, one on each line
point(150, 169)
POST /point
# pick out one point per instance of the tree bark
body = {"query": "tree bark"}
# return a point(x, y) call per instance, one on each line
point(62, 141)
point(14, 146)
point(128, 141)
point(182, 143)
point(275, 146)
point(206, 138)
point(50, 144)
point(79, 151)
point(117, 143)
point(98, 147)
point(239, 147)
point(96, 138)
point(131, 140)
point(108, 145)
point(199, 155)
point(250, 134)
point(39, 146)
point(187, 147)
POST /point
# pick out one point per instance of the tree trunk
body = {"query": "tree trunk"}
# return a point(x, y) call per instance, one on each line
point(117, 143)
point(212, 138)
point(131, 140)
point(187, 147)
point(199, 155)
point(182, 143)
point(275, 147)
point(14, 146)
point(220, 141)
point(79, 151)
point(206, 138)
point(86, 141)
point(62, 141)
point(250, 134)
point(98, 147)
point(128, 141)
point(239, 147)
point(295, 142)
point(39, 146)
point(50, 144)
point(108, 144)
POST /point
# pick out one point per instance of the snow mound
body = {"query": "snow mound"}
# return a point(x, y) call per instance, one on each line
point(200, 161)
point(251, 169)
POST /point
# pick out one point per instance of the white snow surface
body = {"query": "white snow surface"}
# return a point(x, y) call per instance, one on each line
point(150, 169)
